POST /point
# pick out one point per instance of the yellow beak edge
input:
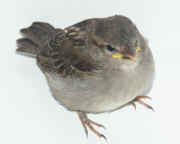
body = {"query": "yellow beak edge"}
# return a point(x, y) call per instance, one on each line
point(117, 55)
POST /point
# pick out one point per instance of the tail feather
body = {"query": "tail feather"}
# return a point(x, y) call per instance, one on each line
point(35, 37)
point(27, 47)
point(39, 32)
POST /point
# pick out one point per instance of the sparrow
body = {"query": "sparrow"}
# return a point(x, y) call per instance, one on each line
point(95, 66)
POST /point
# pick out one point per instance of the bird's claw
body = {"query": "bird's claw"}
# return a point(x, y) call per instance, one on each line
point(88, 123)
point(138, 99)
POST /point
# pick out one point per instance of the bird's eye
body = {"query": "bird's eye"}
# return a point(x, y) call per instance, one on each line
point(110, 48)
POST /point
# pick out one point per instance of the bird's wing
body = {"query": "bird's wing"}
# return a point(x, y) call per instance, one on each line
point(69, 54)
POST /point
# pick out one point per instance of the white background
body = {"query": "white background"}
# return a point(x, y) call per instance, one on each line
point(28, 113)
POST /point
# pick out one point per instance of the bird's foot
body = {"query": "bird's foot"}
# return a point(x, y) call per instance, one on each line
point(138, 99)
point(89, 123)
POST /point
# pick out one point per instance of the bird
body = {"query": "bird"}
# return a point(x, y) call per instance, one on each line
point(95, 66)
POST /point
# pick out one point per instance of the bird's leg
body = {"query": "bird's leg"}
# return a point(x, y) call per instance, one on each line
point(138, 99)
point(88, 123)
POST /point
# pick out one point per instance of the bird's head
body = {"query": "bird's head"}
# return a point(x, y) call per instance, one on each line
point(116, 41)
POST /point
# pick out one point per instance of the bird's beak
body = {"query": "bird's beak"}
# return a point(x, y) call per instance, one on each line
point(122, 55)
point(117, 55)
point(130, 56)
point(138, 48)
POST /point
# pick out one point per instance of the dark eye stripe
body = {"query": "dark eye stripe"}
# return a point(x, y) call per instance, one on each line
point(110, 48)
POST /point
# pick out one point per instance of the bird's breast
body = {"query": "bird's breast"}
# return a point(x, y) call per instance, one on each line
point(100, 93)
